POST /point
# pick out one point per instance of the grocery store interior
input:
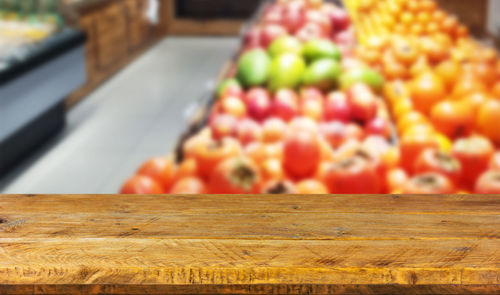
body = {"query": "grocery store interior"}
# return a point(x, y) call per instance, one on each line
point(248, 96)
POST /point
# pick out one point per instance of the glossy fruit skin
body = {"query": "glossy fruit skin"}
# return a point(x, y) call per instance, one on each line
point(487, 120)
point(411, 145)
point(273, 130)
point(379, 126)
point(453, 118)
point(271, 169)
point(258, 102)
point(189, 185)
point(141, 185)
point(361, 75)
point(488, 183)
point(259, 152)
point(362, 101)
point(286, 71)
point(311, 187)
point(322, 73)
point(312, 108)
point(321, 48)
point(301, 153)
point(495, 162)
point(253, 68)
point(210, 153)
point(474, 154)
point(337, 108)
point(285, 104)
point(160, 169)
point(223, 125)
point(426, 90)
point(395, 180)
point(285, 44)
point(234, 106)
point(429, 183)
point(271, 32)
point(353, 175)
point(248, 130)
point(334, 132)
point(187, 168)
point(433, 160)
point(236, 175)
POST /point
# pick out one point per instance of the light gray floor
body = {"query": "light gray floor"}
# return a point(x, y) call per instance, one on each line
point(140, 113)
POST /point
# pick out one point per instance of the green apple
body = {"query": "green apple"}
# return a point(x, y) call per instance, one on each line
point(322, 73)
point(253, 68)
point(285, 44)
point(363, 75)
point(286, 71)
point(321, 48)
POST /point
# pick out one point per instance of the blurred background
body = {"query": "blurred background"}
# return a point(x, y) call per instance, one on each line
point(90, 89)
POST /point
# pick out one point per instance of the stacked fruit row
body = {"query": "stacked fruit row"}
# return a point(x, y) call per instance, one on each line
point(304, 111)
point(443, 87)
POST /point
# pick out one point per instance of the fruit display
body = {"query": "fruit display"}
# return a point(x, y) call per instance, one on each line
point(308, 110)
point(23, 24)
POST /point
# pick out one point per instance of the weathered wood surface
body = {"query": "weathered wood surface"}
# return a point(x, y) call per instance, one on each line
point(100, 244)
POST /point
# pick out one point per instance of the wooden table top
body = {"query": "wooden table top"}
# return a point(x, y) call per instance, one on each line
point(112, 244)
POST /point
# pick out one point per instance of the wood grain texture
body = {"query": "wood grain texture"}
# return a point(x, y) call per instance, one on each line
point(294, 244)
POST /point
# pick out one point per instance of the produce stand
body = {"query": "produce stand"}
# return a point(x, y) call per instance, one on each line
point(289, 244)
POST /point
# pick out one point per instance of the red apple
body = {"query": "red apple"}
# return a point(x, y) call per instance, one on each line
point(285, 104)
point(271, 32)
point(334, 133)
point(223, 125)
point(315, 16)
point(310, 31)
point(258, 103)
point(248, 131)
point(340, 19)
point(273, 15)
point(346, 37)
point(293, 16)
point(378, 126)
point(363, 102)
point(337, 107)
point(252, 38)
point(234, 106)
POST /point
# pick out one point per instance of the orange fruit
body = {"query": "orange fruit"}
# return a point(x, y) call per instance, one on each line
point(453, 119)
point(495, 91)
point(426, 90)
point(438, 16)
point(485, 72)
point(404, 51)
point(487, 120)
point(461, 31)
point(410, 119)
point(395, 90)
point(448, 71)
point(475, 100)
point(401, 107)
point(449, 25)
point(466, 85)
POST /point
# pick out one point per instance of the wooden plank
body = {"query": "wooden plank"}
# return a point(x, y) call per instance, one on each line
point(297, 204)
point(249, 244)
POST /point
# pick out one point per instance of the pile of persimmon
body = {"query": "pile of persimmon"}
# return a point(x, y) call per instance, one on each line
point(441, 87)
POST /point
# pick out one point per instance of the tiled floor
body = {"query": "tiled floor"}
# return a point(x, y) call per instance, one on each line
point(138, 114)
